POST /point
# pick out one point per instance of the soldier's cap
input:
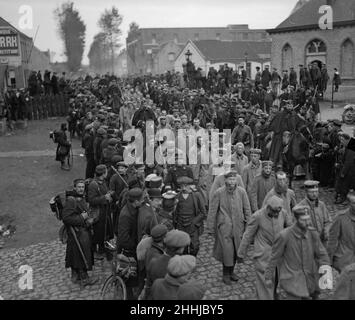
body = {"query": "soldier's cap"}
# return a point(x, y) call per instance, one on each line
point(177, 239)
point(311, 184)
point(184, 180)
point(209, 124)
point(116, 158)
point(101, 116)
point(135, 194)
point(169, 195)
point(230, 173)
point(181, 265)
point(113, 142)
point(100, 169)
point(159, 232)
point(79, 180)
point(150, 176)
point(241, 115)
point(267, 163)
point(139, 165)
point(101, 131)
point(177, 120)
point(156, 182)
point(154, 193)
point(337, 122)
point(255, 151)
point(240, 144)
point(275, 202)
point(299, 211)
point(122, 164)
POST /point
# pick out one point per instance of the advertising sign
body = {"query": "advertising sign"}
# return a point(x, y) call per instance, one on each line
point(9, 45)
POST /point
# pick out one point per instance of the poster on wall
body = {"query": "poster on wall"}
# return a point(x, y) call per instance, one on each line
point(9, 45)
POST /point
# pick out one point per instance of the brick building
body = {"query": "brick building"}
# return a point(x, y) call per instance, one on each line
point(144, 48)
point(213, 53)
point(300, 40)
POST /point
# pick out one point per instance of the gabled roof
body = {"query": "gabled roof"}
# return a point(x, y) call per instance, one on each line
point(4, 23)
point(307, 16)
point(219, 51)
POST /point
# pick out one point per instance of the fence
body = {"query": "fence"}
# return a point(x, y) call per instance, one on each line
point(45, 106)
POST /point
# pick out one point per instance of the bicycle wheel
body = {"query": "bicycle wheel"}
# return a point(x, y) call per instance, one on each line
point(114, 288)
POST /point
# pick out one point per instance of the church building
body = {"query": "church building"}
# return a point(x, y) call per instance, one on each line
point(300, 39)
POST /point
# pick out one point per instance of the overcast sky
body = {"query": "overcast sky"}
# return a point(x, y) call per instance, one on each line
point(259, 14)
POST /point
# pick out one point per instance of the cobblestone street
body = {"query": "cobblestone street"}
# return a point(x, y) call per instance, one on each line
point(52, 281)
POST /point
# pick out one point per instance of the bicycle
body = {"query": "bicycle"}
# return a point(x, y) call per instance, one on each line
point(122, 268)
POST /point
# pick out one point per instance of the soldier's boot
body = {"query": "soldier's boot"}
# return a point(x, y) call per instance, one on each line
point(75, 276)
point(226, 276)
point(85, 280)
point(233, 275)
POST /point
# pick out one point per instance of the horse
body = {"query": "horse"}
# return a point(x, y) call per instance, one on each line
point(296, 151)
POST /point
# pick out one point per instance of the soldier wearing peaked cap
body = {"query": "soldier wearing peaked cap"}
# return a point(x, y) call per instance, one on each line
point(176, 171)
point(262, 229)
point(298, 253)
point(190, 213)
point(320, 217)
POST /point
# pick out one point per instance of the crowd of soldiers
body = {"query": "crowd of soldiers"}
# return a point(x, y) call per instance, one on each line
point(157, 212)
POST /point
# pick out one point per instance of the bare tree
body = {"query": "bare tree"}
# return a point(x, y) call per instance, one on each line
point(110, 22)
point(71, 29)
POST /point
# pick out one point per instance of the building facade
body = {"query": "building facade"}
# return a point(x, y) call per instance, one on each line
point(144, 48)
point(18, 57)
point(236, 54)
point(299, 40)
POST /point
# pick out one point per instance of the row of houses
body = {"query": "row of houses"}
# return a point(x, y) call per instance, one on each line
point(298, 40)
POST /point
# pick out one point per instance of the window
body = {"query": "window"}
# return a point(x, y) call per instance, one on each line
point(233, 35)
point(171, 56)
point(263, 36)
point(347, 59)
point(218, 36)
point(245, 36)
point(197, 37)
point(154, 38)
point(316, 46)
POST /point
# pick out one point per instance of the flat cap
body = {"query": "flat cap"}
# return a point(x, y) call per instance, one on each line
point(113, 142)
point(156, 182)
point(135, 194)
point(275, 202)
point(154, 193)
point(100, 169)
point(231, 173)
point(159, 232)
point(184, 180)
point(267, 163)
point(122, 164)
point(181, 265)
point(255, 151)
point(311, 184)
point(150, 176)
point(177, 239)
point(299, 211)
point(169, 195)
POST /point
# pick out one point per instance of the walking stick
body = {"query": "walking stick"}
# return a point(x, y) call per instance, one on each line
point(79, 246)
point(124, 181)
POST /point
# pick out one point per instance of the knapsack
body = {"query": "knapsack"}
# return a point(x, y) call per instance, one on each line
point(57, 203)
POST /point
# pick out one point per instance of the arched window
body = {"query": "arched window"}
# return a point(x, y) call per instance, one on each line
point(347, 58)
point(287, 57)
point(316, 46)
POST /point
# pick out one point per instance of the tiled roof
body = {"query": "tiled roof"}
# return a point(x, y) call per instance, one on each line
point(215, 50)
point(308, 15)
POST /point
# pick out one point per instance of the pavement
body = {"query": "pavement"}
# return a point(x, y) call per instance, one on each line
point(46, 261)
point(51, 281)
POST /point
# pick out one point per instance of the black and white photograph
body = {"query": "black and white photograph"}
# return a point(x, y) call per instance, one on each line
point(195, 150)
